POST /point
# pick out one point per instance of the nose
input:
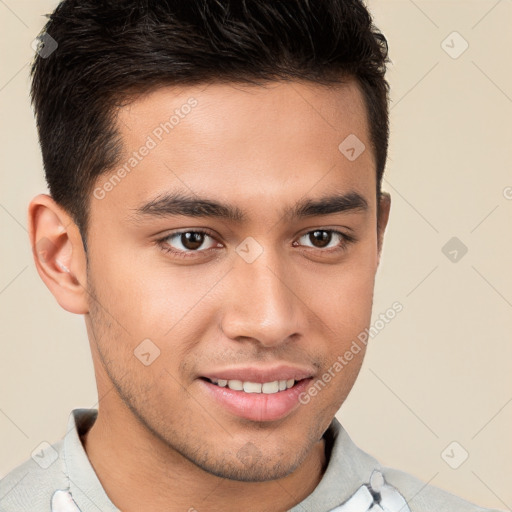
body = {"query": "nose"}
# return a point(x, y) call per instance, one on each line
point(261, 303)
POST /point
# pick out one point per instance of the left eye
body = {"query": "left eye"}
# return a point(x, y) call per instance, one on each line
point(323, 237)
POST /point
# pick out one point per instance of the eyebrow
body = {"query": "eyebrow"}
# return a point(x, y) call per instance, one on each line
point(180, 204)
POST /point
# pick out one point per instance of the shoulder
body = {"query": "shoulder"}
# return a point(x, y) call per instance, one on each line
point(29, 486)
point(354, 478)
point(422, 497)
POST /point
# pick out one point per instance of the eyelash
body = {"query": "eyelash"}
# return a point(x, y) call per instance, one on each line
point(162, 242)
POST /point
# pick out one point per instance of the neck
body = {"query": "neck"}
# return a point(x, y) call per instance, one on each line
point(139, 472)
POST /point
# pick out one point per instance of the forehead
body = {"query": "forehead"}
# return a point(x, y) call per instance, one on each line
point(244, 143)
point(232, 111)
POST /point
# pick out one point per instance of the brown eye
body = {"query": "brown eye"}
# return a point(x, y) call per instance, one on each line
point(188, 241)
point(322, 238)
point(192, 240)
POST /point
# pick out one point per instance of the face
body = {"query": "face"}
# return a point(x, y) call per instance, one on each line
point(214, 319)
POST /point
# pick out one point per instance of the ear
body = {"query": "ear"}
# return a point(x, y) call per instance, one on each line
point(58, 253)
point(384, 207)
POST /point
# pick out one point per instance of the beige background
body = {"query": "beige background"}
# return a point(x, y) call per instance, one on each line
point(441, 370)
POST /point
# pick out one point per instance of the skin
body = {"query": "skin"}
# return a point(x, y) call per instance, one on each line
point(160, 442)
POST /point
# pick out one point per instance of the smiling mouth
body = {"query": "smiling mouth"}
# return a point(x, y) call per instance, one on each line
point(266, 388)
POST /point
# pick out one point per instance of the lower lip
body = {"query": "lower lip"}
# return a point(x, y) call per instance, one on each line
point(257, 406)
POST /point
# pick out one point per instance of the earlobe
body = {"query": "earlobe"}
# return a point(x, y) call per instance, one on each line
point(384, 207)
point(58, 253)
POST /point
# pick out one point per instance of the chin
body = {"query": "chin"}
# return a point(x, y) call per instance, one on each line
point(256, 471)
point(251, 463)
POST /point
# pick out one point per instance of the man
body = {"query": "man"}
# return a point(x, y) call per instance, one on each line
point(216, 213)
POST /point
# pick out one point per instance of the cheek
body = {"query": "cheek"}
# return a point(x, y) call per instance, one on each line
point(153, 299)
point(354, 300)
point(343, 294)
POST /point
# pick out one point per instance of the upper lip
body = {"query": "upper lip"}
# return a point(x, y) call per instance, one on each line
point(260, 374)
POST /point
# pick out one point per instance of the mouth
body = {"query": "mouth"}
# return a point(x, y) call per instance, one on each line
point(257, 394)
point(266, 388)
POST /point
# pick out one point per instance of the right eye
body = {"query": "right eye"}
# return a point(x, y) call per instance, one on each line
point(185, 243)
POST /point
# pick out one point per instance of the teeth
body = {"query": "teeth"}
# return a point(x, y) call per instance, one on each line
point(252, 387)
point(236, 385)
point(255, 387)
point(270, 387)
